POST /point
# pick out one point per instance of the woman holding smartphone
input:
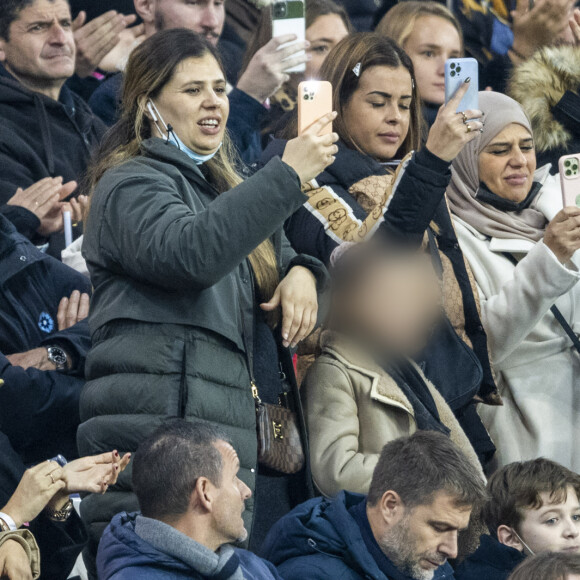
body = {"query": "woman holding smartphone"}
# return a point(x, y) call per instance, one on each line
point(193, 279)
point(521, 247)
point(379, 186)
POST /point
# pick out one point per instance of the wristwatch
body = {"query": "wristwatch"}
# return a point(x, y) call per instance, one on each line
point(58, 357)
point(61, 515)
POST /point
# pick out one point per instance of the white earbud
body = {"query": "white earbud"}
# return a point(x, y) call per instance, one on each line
point(152, 112)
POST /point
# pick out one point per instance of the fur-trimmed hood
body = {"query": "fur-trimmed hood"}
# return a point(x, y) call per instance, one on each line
point(539, 84)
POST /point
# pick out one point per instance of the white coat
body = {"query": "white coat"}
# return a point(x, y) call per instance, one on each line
point(538, 369)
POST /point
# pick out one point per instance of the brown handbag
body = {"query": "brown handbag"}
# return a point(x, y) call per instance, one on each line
point(279, 442)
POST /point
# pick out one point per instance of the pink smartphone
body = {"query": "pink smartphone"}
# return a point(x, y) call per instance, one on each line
point(314, 101)
point(569, 166)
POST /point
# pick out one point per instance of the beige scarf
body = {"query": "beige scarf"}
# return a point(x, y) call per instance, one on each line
point(528, 224)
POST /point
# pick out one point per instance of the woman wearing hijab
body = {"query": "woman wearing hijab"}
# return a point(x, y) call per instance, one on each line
point(520, 244)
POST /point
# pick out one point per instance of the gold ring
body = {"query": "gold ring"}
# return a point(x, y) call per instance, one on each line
point(51, 478)
point(464, 117)
point(468, 127)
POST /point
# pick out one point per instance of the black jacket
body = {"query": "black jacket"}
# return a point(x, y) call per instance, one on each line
point(41, 137)
point(417, 200)
point(492, 561)
point(31, 287)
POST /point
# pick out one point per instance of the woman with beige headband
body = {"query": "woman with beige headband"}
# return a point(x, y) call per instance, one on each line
point(521, 244)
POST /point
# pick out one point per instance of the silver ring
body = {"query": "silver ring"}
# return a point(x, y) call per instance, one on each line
point(464, 116)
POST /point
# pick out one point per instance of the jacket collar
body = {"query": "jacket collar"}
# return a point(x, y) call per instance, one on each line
point(15, 91)
point(384, 388)
point(350, 167)
point(496, 555)
point(160, 149)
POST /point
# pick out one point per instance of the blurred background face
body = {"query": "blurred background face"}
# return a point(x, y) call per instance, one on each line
point(378, 114)
point(508, 163)
point(432, 41)
point(41, 48)
point(323, 34)
point(393, 305)
point(553, 527)
point(206, 17)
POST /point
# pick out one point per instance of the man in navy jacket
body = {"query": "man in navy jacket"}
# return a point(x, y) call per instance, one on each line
point(422, 493)
point(39, 402)
point(185, 476)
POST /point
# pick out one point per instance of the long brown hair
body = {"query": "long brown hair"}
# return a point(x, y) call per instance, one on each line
point(361, 51)
point(399, 21)
point(151, 66)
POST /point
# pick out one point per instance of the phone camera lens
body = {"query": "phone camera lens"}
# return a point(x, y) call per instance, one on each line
point(306, 97)
point(568, 172)
point(458, 69)
point(279, 9)
point(452, 65)
point(452, 73)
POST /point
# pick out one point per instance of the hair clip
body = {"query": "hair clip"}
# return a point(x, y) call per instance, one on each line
point(356, 69)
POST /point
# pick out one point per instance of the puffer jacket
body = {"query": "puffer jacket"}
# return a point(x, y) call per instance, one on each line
point(321, 540)
point(173, 294)
point(125, 555)
point(353, 408)
point(547, 87)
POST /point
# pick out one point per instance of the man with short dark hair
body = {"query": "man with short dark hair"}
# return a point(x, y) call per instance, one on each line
point(191, 500)
point(421, 496)
point(45, 129)
point(533, 507)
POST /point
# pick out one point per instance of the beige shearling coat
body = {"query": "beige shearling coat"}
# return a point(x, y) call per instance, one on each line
point(353, 408)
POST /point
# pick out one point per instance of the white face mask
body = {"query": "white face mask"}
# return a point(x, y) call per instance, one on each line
point(174, 139)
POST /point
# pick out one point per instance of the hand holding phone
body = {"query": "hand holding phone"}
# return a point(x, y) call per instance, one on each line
point(288, 17)
point(569, 166)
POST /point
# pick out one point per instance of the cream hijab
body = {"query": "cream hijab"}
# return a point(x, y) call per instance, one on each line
point(528, 224)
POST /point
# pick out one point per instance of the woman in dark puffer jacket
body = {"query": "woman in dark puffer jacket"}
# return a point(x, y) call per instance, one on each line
point(186, 262)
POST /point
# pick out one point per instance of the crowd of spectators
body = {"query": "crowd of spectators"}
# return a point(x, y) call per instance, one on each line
point(232, 351)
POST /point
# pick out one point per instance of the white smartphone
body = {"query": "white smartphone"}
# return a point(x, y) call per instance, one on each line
point(288, 17)
point(457, 70)
point(569, 166)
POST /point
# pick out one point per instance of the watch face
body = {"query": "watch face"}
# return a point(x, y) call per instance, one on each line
point(57, 356)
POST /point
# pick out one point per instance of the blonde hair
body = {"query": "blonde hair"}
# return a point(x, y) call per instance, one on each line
point(150, 67)
point(398, 23)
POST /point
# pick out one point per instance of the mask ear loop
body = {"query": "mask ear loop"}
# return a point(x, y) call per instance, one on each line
point(526, 547)
point(156, 117)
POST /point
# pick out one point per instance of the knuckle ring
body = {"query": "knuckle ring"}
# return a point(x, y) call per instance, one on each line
point(463, 116)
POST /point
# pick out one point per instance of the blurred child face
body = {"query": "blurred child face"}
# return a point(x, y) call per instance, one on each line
point(432, 41)
point(553, 527)
point(393, 306)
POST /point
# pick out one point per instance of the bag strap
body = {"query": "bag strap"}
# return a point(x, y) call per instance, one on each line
point(248, 353)
point(555, 311)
